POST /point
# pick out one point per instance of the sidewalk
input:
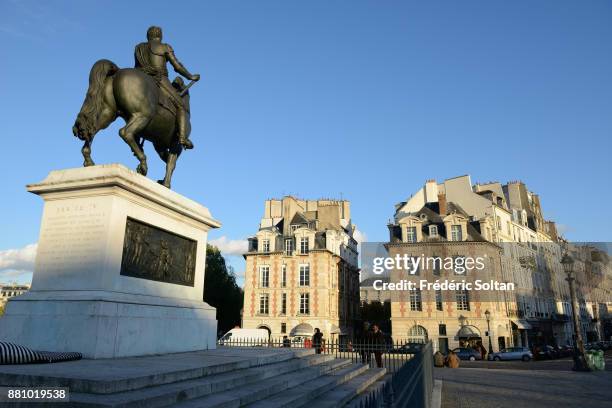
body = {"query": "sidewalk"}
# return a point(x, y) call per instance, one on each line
point(512, 388)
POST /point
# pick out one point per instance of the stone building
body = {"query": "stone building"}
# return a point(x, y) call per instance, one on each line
point(301, 270)
point(450, 318)
point(9, 291)
point(509, 216)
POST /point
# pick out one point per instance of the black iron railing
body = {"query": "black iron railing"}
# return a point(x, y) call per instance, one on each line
point(391, 356)
point(409, 378)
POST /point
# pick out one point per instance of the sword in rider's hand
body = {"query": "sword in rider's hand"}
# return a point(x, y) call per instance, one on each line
point(184, 91)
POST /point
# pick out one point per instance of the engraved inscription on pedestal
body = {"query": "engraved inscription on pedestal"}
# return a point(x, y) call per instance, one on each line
point(71, 238)
point(155, 254)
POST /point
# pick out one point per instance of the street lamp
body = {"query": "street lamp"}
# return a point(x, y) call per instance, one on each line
point(488, 317)
point(579, 359)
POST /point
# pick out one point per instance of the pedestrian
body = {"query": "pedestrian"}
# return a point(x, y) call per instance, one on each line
point(480, 348)
point(286, 341)
point(452, 361)
point(317, 341)
point(363, 344)
point(378, 343)
point(438, 359)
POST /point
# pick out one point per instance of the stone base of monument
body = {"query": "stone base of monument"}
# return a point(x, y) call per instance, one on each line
point(119, 269)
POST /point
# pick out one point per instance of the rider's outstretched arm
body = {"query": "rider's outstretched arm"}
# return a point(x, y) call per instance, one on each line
point(178, 67)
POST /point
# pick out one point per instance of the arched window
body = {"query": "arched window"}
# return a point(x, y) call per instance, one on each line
point(417, 334)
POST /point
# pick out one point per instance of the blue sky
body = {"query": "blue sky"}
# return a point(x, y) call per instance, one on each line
point(363, 100)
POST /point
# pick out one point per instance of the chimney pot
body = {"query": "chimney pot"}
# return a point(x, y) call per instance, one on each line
point(442, 203)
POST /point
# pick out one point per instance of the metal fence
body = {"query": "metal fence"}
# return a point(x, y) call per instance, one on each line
point(391, 356)
point(409, 379)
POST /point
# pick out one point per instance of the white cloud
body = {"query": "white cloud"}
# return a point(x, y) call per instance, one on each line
point(21, 258)
point(229, 247)
point(16, 265)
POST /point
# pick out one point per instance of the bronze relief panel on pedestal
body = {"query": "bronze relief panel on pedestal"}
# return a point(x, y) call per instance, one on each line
point(155, 254)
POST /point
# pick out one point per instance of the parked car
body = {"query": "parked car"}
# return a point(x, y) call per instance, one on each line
point(512, 353)
point(566, 351)
point(467, 354)
point(408, 348)
point(545, 352)
point(244, 337)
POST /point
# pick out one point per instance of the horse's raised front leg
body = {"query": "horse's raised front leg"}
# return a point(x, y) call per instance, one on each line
point(86, 150)
point(136, 123)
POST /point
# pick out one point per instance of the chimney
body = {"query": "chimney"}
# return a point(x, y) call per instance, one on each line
point(442, 203)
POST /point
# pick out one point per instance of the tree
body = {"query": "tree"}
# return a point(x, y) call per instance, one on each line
point(221, 290)
point(379, 313)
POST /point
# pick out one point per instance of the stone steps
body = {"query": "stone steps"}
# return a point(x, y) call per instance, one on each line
point(226, 377)
point(315, 392)
point(114, 376)
point(265, 389)
point(353, 392)
point(168, 394)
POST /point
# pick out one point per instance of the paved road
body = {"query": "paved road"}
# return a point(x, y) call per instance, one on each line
point(516, 384)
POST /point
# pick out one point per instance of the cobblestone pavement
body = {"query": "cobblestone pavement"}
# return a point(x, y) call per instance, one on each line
point(517, 384)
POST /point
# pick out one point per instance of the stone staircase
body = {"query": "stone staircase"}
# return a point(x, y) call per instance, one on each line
point(226, 377)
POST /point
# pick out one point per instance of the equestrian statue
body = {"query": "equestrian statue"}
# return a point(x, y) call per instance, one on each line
point(153, 108)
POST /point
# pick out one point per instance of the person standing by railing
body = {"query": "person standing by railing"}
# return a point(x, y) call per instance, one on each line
point(317, 340)
point(377, 339)
point(362, 344)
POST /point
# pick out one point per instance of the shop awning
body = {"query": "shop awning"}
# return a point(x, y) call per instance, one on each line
point(521, 324)
point(468, 332)
point(302, 329)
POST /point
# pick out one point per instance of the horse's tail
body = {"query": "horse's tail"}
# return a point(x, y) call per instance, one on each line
point(88, 120)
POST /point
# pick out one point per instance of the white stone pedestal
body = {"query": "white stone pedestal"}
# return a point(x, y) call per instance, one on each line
point(83, 298)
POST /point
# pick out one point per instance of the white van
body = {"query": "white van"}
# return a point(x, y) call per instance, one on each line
point(245, 337)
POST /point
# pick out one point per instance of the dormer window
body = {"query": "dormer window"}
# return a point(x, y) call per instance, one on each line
point(304, 245)
point(411, 235)
point(433, 231)
point(265, 245)
point(456, 233)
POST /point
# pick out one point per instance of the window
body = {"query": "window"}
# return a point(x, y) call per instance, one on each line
point(411, 235)
point(305, 303)
point(417, 334)
point(264, 276)
point(433, 231)
point(459, 265)
point(442, 329)
point(415, 300)
point(413, 269)
point(463, 301)
point(439, 300)
point(284, 276)
point(264, 300)
point(304, 275)
point(456, 233)
point(304, 245)
point(284, 304)
point(265, 245)
point(283, 327)
point(437, 265)
point(289, 246)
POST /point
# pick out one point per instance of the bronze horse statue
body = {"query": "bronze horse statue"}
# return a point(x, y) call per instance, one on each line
point(134, 96)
